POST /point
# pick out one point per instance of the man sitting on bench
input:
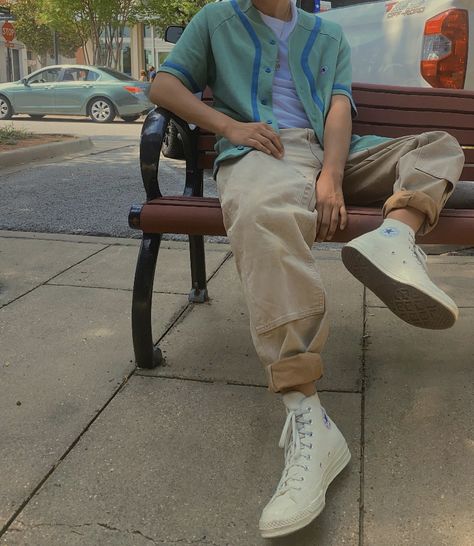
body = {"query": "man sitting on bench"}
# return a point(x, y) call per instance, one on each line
point(287, 164)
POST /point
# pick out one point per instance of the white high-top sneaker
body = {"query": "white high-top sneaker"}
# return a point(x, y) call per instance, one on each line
point(315, 453)
point(389, 263)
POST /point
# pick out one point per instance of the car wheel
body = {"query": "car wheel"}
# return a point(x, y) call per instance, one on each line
point(101, 110)
point(36, 116)
point(172, 146)
point(6, 110)
point(130, 119)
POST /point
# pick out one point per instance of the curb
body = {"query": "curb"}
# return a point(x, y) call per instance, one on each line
point(44, 151)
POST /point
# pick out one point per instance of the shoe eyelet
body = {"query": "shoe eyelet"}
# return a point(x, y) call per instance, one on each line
point(311, 422)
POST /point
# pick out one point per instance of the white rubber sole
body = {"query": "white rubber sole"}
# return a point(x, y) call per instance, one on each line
point(415, 305)
point(339, 462)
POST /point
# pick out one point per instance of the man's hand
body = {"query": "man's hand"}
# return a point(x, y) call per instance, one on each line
point(330, 206)
point(255, 135)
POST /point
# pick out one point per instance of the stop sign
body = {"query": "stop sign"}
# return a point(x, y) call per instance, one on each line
point(8, 31)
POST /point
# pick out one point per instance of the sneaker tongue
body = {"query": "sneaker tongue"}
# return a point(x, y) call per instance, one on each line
point(293, 399)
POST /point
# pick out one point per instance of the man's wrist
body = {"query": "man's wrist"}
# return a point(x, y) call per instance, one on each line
point(224, 125)
point(332, 173)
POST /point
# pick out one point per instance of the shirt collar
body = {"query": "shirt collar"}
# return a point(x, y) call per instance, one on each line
point(285, 27)
point(305, 20)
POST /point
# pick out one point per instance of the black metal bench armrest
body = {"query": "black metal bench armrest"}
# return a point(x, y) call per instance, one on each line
point(151, 141)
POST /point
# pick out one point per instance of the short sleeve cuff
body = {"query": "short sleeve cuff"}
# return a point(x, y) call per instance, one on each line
point(339, 89)
point(183, 75)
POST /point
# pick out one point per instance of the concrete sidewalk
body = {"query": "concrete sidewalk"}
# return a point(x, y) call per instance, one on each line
point(94, 452)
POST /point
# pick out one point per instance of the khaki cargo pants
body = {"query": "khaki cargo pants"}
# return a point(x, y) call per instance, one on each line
point(269, 214)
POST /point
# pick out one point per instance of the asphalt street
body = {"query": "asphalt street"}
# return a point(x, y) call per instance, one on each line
point(91, 193)
point(85, 194)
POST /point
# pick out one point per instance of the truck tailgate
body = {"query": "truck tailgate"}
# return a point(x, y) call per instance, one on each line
point(387, 38)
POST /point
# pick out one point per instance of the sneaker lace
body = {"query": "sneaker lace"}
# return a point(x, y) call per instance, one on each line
point(420, 256)
point(292, 440)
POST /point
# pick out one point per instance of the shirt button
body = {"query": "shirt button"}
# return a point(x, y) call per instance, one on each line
point(268, 70)
point(269, 121)
point(240, 147)
point(273, 42)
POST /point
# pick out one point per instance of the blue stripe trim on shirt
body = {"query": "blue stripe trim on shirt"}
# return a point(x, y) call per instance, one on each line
point(342, 88)
point(305, 64)
point(185, 73)
point(257, 61)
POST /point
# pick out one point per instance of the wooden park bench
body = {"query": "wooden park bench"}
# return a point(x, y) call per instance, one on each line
point(382, 110)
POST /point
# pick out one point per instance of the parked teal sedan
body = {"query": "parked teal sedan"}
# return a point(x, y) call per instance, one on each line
point(98, 92)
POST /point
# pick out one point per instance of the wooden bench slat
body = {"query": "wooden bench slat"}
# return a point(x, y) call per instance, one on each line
point(416, 118)
point(468, 173)
point(469, 155)
point(428, 92)
point(206, 142)
point(203, 216)
point(414, 102)
point(206, 161)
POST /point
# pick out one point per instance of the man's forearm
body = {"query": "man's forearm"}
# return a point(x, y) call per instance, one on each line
point(337, 138)
point(168, 92)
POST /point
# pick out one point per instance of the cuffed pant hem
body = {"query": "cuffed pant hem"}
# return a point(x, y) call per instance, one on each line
point(415, 200)
point(295, 370)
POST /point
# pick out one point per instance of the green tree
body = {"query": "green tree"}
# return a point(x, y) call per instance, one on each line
point(97, 23)
point(38, 36)
point(163, 13)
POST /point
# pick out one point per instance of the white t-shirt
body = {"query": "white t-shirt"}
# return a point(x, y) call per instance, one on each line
point(287, 107)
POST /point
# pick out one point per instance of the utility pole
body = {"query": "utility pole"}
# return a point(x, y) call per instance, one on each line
point(56, 46)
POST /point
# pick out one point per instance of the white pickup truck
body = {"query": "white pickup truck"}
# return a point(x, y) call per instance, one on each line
point(417, 43)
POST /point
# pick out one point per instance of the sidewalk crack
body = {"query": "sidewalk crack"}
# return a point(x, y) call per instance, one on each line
point(19, 526)
point(365, 342)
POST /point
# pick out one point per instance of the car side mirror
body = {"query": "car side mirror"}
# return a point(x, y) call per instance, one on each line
point(173, 34)
point(24, 81)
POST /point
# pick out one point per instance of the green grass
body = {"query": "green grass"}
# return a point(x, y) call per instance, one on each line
point(10, 135)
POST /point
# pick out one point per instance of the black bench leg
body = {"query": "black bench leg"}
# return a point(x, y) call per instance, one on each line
point(198, 292)
point(146, 355)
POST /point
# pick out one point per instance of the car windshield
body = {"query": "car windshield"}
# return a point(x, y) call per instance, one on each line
point(116, 74)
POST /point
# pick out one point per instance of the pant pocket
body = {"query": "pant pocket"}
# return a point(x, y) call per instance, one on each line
point(308, 199)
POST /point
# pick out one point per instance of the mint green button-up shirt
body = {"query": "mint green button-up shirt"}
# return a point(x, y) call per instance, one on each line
point(228, 47)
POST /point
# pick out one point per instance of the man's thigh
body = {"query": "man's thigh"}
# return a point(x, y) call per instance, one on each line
point(261, 178)
point(370, 175)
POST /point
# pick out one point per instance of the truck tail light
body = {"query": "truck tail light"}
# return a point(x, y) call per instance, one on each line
point(132, 89)
point(445, 46)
